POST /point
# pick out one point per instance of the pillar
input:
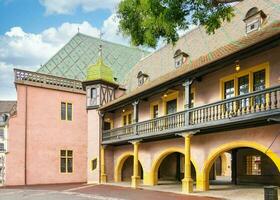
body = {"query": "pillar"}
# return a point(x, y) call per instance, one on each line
point(103, 178)
point(135, 179)
point(187, 182)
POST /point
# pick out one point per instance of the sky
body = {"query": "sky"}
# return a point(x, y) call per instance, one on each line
point(31, 31)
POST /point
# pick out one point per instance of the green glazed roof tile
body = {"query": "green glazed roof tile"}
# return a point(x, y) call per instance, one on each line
point(81, 51)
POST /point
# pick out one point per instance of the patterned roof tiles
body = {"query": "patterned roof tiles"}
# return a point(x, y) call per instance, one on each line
point(72, 60)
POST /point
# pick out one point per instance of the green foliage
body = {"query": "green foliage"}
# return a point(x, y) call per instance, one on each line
point(146, 21)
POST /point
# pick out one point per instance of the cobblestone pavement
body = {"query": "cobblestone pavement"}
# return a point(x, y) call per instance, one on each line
point(83, 192)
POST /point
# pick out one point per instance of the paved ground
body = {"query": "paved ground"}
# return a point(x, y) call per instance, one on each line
point(83, 192)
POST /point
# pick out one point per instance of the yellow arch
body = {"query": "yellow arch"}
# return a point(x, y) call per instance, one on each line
point(151, 178)
point(119, 165)
point(203, 182)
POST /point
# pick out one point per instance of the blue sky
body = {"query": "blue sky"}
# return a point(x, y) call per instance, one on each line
point(31, 31)
point(32, 17)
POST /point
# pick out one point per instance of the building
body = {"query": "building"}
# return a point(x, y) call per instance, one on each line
point(203, 110)
point(7, 108)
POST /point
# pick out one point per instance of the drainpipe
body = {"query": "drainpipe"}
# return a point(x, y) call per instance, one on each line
point(25, 136)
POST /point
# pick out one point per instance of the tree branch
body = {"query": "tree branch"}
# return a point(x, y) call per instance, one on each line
point(215, 2)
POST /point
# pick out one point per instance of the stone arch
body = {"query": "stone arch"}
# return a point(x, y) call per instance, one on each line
point(119, 165)
point(203, 183)
point(152, 178)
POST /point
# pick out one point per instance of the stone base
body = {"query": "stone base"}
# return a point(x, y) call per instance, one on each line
point(187, 185)
point(103, 178)
point(135, 181)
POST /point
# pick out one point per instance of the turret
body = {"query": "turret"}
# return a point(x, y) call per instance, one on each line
point(100, 84)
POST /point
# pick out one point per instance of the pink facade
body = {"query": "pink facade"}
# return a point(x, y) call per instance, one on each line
point(46, 135)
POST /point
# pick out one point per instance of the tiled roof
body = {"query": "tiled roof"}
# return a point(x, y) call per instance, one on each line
point(197, 42)
point(6, 106)
point(246, 41)
point(81, 51)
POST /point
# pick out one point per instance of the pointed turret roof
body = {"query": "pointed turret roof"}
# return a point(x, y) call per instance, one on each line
point(100, 71)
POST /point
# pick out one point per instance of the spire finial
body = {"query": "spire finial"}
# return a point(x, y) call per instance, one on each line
point(100, 45)
point(78, 29)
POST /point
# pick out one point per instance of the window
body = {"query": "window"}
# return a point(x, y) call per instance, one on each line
point(127, 119)
point(254, 19)
point(66, 111)
point(93, 93)
point(191, 100)
point(253, 26)
point(171, 106)
point(259, 84)
point(107, 126)
point(66, 161)
point(243, 88)
point(1, 133)
point(93, 164)
point(155, 111)
point(2, 147)
point(179, 58)
point(142, 78)
point(253, 165)
point(229, 89)
point(253, 79)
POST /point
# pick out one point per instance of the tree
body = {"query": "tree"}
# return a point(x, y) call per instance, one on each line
point(146, 21)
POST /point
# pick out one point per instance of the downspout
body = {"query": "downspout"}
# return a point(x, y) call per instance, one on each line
point(25, 136)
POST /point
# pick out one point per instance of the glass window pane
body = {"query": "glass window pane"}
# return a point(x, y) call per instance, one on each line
point(69, 111)
point(69, 165)
point(259, 80)
point(69, 153)
point(155, 111)
point(93, 93)
point(192, 100)
point(171, 106)
point(63, 165)
point(124, 120)
point(229, 89)
point(243, 88)
point(63, 153)
point(129, 118)
point(259, 84)
point(63, 111)
point(1, 133)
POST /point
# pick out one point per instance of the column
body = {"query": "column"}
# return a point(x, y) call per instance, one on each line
point(135, 179)
point(187, 84)
point(187, 182)
point(135, 115)
point(103, 178)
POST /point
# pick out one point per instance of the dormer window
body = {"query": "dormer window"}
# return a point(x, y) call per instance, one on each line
point(179, 58)
point(254, 19)
point(142, 78)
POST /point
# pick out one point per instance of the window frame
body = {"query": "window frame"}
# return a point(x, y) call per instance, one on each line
point(66, 111)
point(126, 114)
point(249, 169)
point(66, 163)
point(249, 72)
point(172, 96)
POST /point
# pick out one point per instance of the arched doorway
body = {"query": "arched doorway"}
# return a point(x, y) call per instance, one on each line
point(168, 167)
point(127, 170)
point(124, 168)
point(251, 163)
point(171, 169)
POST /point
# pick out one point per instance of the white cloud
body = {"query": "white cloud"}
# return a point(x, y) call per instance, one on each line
point(69, 6)
point(20, 49)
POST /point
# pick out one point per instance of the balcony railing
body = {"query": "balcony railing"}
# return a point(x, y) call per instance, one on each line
point(239, 108)
point(23, 76)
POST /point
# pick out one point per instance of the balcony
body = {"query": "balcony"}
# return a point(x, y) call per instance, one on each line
point(241, 110)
